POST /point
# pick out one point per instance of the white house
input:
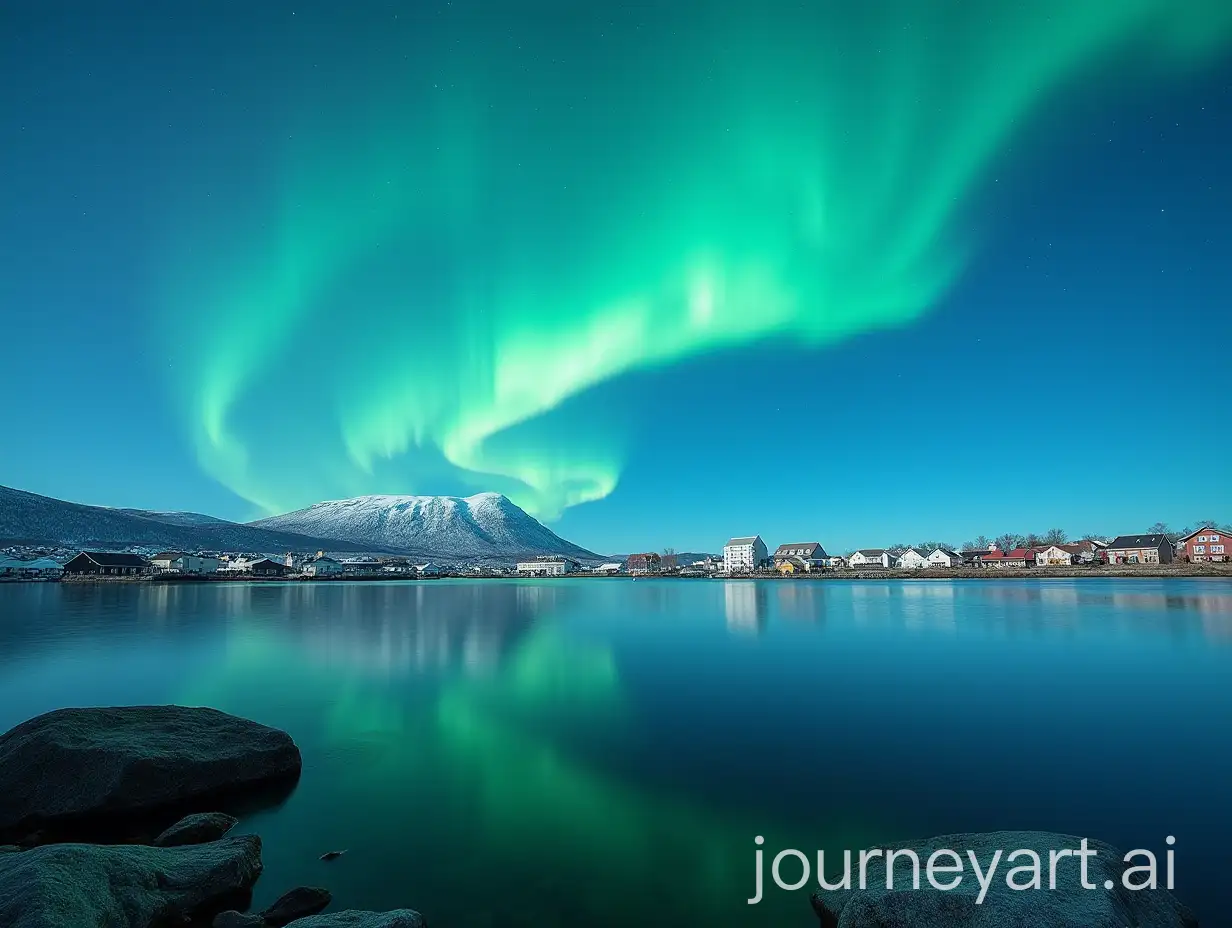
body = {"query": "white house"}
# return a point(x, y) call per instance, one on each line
point(744, 555)
point(870, 557)
point(323, 566)
point(608, 569)
point(176, 562)
point(911, 559)
point(547, 567)
point(428, 570)
point(943, 557)
point(837, 561)
point(1053, 556)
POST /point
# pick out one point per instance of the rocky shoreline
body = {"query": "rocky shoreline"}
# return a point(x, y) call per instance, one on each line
point(110, 817)
point(115, 817)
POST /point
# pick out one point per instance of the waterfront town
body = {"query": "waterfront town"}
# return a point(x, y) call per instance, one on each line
point(742, 556)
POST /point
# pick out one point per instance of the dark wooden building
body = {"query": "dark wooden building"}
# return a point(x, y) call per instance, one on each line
point(106, 563)
point(267, 568)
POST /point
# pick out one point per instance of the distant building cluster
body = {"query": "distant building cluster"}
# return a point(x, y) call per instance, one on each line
point(749, 554)
point(742, 556)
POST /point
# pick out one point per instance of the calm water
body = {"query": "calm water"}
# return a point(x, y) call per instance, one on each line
point(582, 752)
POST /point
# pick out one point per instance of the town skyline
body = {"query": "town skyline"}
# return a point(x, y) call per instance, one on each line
point(19, 525)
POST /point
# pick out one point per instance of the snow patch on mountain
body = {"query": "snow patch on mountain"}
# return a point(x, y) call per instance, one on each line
point(485, 525)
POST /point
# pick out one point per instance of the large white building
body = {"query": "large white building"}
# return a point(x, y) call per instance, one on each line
point(744, 555)
point(547, 567)
point(177, 562)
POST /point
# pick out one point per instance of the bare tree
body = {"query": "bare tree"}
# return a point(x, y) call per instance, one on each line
point(981, 542)
point(1009, 541)
point(1055, 536)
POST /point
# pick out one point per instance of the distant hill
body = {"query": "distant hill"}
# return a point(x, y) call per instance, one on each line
point(485, 526)
point(27, 518)
point(683, 558)
point(177, 518)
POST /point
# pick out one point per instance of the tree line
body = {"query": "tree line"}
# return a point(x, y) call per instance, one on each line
point(1054, 536)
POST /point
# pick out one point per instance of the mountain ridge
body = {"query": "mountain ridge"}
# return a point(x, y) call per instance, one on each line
point(485, 525)
point(28, 518)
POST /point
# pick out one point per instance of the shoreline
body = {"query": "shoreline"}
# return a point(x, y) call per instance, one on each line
point(1181, 572)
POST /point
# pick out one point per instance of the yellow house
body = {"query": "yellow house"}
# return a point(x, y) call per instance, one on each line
point(785, 567)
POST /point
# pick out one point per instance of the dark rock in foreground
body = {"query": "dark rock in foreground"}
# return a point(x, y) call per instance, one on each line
point(134, 886)
point(234, 919)
point(73, 765)
point(352, 918)
point(196, 829)
point(1068, 906)
point(299, 902)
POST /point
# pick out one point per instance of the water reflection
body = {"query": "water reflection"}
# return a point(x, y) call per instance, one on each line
point(744, 603)
point(505, 752)
point(802, 602)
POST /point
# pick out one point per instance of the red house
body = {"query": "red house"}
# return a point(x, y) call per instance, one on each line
point(647, 563)
point(1019, 557)
point(1206, 544)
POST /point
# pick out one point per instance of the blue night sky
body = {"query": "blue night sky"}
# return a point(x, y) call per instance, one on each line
point(920, 270)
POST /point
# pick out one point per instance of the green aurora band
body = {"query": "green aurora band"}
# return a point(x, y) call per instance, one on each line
point(476, 225)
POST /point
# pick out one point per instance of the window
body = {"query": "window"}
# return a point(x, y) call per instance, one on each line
point(1216, 549)
point(1213, 538)
point(1201, 538)
point(1200, 549)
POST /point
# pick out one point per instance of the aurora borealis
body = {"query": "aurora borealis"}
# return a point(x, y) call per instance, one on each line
point(417, 248)
point(499, 223)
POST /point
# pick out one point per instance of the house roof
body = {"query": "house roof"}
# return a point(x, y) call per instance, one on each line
point(1207, 528)
point(872, 552)
point(808, 549)
point(946, 551)
point(746, 540)
point(1018, 554)
point(41, 563)
point(915, 551)
point(167, 556)
point(1137, 541)
point(115, 559)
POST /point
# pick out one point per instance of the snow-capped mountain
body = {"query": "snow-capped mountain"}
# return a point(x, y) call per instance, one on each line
point(487, 525)
point(27, 518)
